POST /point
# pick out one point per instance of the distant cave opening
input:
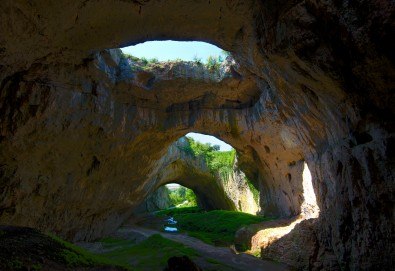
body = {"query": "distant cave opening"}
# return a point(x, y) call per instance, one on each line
point(172, 195)
point(203, 166)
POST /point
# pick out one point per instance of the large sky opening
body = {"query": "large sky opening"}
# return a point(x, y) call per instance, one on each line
point(172, 50)
point(184, 50)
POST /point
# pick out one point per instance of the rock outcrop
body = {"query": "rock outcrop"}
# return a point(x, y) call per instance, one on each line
point(80, 139)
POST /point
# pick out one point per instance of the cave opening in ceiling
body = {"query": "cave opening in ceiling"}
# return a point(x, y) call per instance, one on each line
point(170, 50)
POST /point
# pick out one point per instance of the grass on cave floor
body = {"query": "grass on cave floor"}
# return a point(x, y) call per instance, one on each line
point(28, 249)
point(150, 254)
point(216, 227)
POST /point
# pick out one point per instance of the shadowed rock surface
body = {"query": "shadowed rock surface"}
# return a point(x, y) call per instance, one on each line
point(158, 200)
point(82, 135)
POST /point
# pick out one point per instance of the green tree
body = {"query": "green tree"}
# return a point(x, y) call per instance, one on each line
point(216, 160)
point(183, 195)
point(212, 63)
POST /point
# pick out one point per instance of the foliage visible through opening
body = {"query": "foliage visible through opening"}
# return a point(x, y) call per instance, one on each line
point(217, 161)
point(212, 63)
point(182, 197)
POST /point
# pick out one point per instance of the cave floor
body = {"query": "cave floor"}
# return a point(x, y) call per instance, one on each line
point(208, 257)
point(223, 255)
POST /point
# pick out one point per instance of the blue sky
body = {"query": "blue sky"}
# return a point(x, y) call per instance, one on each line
point(171, 50)
point(210, 139)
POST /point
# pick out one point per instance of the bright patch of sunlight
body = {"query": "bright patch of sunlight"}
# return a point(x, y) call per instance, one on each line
point(309, 209)
point(173, 186)
point(309, 206)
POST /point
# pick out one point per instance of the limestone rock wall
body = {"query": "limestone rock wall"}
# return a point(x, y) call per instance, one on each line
point(80, 140)
point(157, 200)
point(238, 190)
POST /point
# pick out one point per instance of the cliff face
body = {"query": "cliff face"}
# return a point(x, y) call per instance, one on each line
point(82, 135)
point(244, 195)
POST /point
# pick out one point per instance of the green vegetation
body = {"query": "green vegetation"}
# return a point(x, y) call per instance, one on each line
point(183, 197)
point(213, 63)
point(143, 62)
point(150, 254)
point(177, 211)
point(75, 256)
point(217, 161)
point(226, 53)
point(197, 60)
point(130, 57)
point(29, 249)
point(255, 192)
point(216, 227)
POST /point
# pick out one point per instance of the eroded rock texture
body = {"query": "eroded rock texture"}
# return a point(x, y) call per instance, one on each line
point(158, 200)
point(228, 191)
point(179, 166)
point(81, 135)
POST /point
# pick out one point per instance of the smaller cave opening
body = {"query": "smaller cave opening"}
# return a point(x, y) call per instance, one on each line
point(170, 196)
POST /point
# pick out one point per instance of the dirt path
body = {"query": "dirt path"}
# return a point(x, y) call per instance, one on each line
point(223, 255)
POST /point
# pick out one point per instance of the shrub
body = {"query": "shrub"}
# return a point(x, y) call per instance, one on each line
point(153, 60)
point(197, 60)
point(182, 195)
point(213, 63)
point(217, 161)
point(144, 60)
point(226, 53)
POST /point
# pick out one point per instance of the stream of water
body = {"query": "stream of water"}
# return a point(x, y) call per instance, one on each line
point(171, 221)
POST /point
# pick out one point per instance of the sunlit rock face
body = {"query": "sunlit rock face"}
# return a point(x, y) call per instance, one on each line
point(76, 156)
point(182, 167)
point(238, 189)
point(228, 191)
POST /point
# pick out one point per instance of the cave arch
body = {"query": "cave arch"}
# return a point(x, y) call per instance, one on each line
point(192, 172)
point(317, 95)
